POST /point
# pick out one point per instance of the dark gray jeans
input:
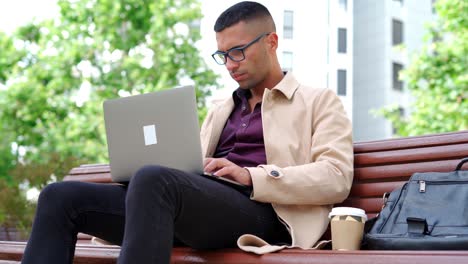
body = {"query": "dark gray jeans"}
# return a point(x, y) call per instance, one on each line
point(158, 205)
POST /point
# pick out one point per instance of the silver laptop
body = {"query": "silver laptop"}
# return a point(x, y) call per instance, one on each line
point(154, 128)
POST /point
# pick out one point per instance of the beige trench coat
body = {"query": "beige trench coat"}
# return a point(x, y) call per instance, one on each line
point(309, 152)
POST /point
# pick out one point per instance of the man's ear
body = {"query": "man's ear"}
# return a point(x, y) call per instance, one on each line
point(272, 41)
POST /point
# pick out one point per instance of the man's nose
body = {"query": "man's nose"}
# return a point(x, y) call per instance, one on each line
point(231, 65)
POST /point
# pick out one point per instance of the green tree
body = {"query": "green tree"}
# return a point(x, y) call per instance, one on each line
point(437, 76)
point(55, 74)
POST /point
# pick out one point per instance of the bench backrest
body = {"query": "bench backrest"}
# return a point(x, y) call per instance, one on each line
point(379, 166)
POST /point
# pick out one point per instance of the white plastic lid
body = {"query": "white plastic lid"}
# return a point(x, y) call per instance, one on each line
point(348, 211)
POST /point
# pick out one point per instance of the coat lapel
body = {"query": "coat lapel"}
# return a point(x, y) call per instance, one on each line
point(220, 116)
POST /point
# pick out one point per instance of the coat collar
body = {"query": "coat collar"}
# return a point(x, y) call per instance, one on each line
point(287, 86)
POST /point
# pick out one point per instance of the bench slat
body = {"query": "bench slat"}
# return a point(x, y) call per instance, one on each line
point(411, 142)
point(390, 172)
point(411, 155)
point(86, 254)
point(375, 189)
point(370, 205)
point(90, 169)
point(98, 178)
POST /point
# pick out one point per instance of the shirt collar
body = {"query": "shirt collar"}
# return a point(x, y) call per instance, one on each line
point(239, 95)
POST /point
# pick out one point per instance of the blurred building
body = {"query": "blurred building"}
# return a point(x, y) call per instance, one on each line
point(386, 34)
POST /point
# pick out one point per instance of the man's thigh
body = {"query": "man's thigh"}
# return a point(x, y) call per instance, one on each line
point(214, 215)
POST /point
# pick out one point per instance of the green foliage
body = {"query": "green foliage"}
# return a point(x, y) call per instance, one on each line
point(55, 74)
point(437, 76)
point(15, 210)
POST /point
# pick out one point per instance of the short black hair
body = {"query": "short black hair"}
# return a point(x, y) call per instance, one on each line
point(243, 11)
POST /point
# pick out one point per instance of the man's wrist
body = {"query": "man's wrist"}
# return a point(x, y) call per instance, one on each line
point(249, 177)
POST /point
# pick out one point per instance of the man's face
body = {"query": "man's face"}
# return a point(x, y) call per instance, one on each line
point(250, 72)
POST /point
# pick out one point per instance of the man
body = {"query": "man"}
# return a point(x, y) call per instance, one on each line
point(291, 143)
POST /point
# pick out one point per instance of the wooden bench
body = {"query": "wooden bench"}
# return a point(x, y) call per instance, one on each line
point(380, 166)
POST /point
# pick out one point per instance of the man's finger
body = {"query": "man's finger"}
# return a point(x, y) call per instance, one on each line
point(223, 172)
point(206, 161)
point(212, 165)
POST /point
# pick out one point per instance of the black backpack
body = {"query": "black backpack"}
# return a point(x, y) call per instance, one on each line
point(429, 212)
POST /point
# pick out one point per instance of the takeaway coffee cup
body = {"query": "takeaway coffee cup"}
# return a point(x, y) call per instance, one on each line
point(347, 227)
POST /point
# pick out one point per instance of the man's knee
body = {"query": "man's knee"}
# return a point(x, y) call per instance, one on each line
point(154, 180)
point(151, 175)
point(57, 194)
point(51, 192)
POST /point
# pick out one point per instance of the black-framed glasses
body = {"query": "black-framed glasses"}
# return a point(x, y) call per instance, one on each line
point(235, 54)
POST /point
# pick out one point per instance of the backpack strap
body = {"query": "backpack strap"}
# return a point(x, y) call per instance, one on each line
point(459, 166)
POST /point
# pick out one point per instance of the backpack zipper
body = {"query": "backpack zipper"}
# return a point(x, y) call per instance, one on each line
point(422, 184)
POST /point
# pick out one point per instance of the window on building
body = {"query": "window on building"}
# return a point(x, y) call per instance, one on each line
point(397, 83)
point(288, 24)
point(343, 5)
point(397, 32)
point(342, 40)
point(341, 82)
point(400, 2)
point(433, 6)
point(401, 111)
point(287, 61)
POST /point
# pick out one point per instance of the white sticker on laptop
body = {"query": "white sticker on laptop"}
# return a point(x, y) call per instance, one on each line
point(149, 133)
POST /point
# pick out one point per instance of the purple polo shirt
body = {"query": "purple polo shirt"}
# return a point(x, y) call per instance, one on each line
point(241, 141)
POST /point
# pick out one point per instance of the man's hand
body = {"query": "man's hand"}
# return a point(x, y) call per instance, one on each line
point(225, 168)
